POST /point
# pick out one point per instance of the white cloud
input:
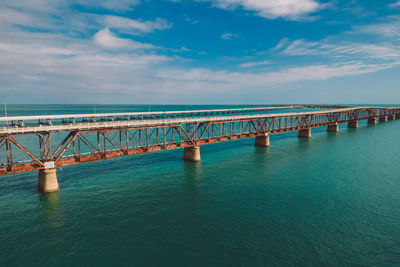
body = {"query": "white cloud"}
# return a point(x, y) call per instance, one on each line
point(59, 16)
point(117, 5)
point(396, 4)
point(285, 75)
point(283, 42)
point(228, 36)
point(340, 50)
point(62, 56)
point(185, 49)
point(254, 64)
point(51, 64)
point(192, 21)
point(272, 9)
point(12, 16)
point(132, 26)
point(14, 48)
point(382, 43)
point(50, 5)
point(107, 39)
point(389, 28)
point(32, 5)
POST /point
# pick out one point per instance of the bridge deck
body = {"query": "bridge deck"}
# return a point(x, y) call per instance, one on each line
point(153, 123)
point(127, 115)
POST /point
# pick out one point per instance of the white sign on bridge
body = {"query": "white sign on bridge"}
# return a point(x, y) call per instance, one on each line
point(49, 165)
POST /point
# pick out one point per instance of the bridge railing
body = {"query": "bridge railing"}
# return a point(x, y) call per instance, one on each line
point(23, 121)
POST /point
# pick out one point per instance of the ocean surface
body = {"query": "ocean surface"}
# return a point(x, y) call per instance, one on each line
point(332, 200)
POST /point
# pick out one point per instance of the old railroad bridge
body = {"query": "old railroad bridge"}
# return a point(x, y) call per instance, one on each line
point(73, 139)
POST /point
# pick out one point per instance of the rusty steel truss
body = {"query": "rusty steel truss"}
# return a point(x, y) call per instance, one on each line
point(92, 141)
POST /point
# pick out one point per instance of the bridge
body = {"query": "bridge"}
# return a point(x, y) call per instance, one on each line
point(74, 139)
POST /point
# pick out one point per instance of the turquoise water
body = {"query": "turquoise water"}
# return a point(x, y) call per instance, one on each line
point(331, 200)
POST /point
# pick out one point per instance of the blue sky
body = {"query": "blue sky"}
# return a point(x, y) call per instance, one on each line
point(200, 51)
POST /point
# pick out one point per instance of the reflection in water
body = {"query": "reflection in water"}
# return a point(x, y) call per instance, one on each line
point(192, 170)
point(51, 210)
point(332, 135)
point(192, 173)
point(262, 153)
point(304, 144)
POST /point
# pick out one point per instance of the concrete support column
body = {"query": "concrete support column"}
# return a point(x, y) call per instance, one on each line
point(47, 181)
point(383, 119)
point(333, 128)
point(398, 116)
point(191, 153)
point(305, 133)
point(262, 140)
point(391, 117)
point(371, 121)
point(352, 124)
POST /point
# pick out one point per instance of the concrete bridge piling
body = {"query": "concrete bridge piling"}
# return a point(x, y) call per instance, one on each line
point(333, 128)
point(371, 121)
point(262, 140)
point(352, 124)
point(192, 153)
point(382, 119)
point(305, 133)
point(391, 117)
point(47, 181)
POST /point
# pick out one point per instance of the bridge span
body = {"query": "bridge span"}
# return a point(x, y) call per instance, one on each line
point(85, 141)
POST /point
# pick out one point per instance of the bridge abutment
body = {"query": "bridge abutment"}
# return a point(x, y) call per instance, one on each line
point(371, 121)
point(47, 181)
point(352, 124)
point(305, 133)
point(333, 128)
point(383, 119)
point(391, 117)
point(262, 140)
point(191, 153)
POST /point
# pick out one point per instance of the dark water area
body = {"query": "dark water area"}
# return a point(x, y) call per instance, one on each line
point(332, 200)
